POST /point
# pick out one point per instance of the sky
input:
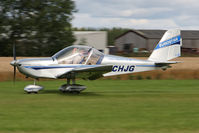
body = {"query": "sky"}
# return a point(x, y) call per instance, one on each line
point(137, 14)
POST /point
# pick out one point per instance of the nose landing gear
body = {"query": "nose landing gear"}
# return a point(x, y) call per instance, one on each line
point(33, 88)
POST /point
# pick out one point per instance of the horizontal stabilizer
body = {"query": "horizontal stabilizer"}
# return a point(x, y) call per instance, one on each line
point(166, 63)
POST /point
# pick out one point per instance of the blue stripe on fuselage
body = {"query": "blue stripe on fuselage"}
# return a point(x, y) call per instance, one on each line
point(53, 67)
point(74, 66)
point(145, 65)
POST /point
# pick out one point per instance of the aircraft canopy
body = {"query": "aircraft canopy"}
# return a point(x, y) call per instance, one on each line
point(78, 54)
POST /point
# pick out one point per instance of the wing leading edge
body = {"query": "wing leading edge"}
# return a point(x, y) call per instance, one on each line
point(90, 72)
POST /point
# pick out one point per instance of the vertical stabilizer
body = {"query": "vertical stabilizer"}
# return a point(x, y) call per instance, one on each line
point(168, 48)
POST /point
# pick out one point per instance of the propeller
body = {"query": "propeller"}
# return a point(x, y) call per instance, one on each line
point(14, 62)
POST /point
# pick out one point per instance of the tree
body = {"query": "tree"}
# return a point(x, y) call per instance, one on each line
point(41, 27)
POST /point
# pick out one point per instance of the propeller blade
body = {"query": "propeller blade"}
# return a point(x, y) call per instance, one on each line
point(14, 76)
point(14, 51)
point(14, 56)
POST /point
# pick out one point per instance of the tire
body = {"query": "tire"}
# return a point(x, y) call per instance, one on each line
point(75, 92)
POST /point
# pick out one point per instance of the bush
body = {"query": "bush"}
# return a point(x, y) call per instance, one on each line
point(158, 76)
point(148, 77)
point(139, 77)
point(118, 77)
point(131, 77)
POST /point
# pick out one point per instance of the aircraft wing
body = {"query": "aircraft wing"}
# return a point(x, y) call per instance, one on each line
point(90, 72)
point(94, 69)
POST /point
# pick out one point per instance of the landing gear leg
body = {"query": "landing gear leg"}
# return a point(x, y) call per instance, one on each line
point(73, 81)
point(68, 81)
point(34, 81)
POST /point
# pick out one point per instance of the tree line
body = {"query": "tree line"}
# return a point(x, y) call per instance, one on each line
point(40, 27)
point(37, 27)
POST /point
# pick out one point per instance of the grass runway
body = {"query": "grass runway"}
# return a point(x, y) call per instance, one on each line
point(107, 106)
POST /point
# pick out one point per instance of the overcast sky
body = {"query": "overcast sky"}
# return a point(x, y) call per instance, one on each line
point(137, 14)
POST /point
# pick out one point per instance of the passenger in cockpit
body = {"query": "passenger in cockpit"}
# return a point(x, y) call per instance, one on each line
point(79, 55)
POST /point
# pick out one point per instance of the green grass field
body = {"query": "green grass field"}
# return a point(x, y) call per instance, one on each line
point(107, 106)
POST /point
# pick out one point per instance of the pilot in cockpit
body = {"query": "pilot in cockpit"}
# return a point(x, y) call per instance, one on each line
point(75, 56)
point(78, 56)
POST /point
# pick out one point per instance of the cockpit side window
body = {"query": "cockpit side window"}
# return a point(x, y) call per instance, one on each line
point(64, 55)
point(78, 55)
point(72, 55)
point(95, 58)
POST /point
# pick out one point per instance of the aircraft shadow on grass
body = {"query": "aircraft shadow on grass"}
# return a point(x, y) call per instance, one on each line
point(70, 94)
point(103, 93)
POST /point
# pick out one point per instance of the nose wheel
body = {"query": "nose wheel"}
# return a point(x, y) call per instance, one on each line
point(33, 88)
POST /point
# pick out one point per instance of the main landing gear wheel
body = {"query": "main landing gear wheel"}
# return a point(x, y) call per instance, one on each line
point(72, 88)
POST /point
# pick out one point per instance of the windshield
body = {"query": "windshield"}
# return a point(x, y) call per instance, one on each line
point(79, 55)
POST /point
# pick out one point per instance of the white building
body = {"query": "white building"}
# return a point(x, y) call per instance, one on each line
point(96, 39)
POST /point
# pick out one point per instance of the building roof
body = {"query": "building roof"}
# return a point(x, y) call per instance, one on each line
point(153, 33)
point(190, 34)
point(88, 32)
point(134, 31)
point(157, 34)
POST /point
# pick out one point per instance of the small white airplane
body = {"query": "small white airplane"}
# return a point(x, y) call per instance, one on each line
point(86, 62)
